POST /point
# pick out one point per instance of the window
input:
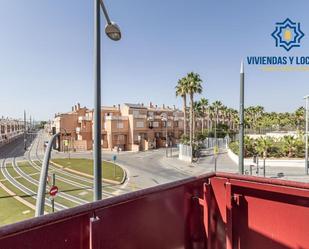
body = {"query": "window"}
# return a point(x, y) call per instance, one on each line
point(135, 138)
point(169, 124)
point(120, 125)
point(155, 124)
point(135, 113)
point(139, 124)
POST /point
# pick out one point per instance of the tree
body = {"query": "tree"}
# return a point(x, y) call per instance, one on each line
point(203, 104)
point(217, 105)
point(197, 113)
point(182, 90)
point(299, 117)
point(263, 145)
point(289, 145)
point(194, 86)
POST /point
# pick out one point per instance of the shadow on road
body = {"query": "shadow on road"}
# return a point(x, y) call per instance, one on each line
point(15, 148)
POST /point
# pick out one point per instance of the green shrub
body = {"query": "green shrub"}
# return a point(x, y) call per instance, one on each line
point(287, 146)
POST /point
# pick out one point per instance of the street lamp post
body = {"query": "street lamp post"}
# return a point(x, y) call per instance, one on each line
point(306, 134)
point(241, 120)
point(113, 32)
point(25, 131)
point(164, 119)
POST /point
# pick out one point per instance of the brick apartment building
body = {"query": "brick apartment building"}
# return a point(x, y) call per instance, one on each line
point(128, 127)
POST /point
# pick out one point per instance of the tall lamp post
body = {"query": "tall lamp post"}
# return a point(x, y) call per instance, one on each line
point(164, 119)
point(241, 120)
point(306, 134)
point(113, 32)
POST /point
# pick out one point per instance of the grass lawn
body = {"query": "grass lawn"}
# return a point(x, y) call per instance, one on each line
point(86, 166)
point(63, 186)
point(11, 210)
point(34, 187)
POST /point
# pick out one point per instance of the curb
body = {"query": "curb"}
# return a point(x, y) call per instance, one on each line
point(90, 176)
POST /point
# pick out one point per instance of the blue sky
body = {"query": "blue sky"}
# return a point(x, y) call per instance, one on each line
point(46, 53)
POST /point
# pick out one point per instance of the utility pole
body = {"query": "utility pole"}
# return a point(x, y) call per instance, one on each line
point(241, 120)
point(25, 131)
point(306, 135)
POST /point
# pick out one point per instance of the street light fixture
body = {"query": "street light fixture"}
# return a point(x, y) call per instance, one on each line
point(113, 32)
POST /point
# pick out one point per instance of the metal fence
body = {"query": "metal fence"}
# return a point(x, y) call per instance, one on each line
point(211, 142)
point(185, 152)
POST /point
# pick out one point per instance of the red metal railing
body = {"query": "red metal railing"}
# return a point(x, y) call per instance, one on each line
point(211, 211)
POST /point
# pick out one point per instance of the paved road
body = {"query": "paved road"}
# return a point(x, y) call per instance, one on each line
point(146, 169)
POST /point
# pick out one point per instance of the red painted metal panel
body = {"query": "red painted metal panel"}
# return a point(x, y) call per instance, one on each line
point(212, 211)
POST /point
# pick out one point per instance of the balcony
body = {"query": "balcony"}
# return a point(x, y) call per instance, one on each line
point(84, 118)
point(210, 211)
point(117, 118)
point(140, 116)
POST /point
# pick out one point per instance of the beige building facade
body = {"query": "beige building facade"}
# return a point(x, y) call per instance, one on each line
point(133, 127)
point(10, 129)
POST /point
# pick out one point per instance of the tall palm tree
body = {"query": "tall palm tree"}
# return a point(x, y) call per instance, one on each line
point(299, 116)
point(204, 104)
point(197, 113)
point(217, 105)
point(181, 91)
point(194, 86)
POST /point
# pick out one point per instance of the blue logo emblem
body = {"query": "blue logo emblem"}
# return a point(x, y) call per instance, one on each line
point(288, 34)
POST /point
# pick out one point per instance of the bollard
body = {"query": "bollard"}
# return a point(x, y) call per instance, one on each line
point(251, 166)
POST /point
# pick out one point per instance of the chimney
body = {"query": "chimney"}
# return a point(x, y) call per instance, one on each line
point(156, 106)
point(72, 108)
point(142, 104)
point(163, 106)
point(150, 104)
point(174, 107)
point(78, 106)
point(119, 107)
point(75, 107)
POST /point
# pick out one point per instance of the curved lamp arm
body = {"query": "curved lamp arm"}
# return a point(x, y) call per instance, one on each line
point(108, 20)
point(40, 201)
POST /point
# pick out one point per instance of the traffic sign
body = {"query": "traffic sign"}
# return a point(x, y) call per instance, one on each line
point(216, 150)
point(53, 191)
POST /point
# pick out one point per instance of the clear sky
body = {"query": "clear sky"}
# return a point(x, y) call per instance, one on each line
point(46, 53)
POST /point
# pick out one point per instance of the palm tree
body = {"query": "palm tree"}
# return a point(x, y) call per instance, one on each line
point(217, 105)
point(182, 90)
point(194, 85)
point(263, 145)
point(204, 104)
point(299, 116)
point(289, 145)
point(197, 108)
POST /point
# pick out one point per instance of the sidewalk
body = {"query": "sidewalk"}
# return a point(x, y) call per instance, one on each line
point(226, 164)
point(203, 165)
